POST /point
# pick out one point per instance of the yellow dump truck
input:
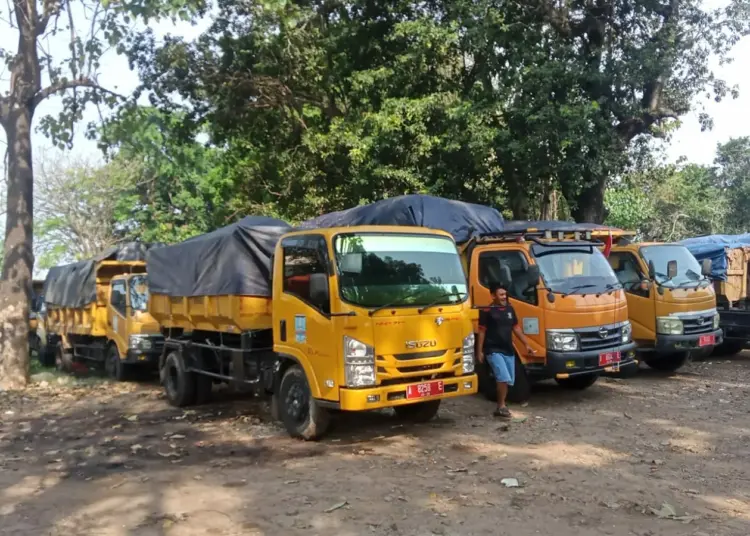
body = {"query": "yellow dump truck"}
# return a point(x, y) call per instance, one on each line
point(96, 313)
point(352, 319)
point(729, 258)
point(671, 302)
point(569, 303)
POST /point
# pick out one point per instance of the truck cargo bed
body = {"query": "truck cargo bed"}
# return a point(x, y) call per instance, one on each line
point(227, 314)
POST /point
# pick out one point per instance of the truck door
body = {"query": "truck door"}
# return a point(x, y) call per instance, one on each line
point(641, 308)
point(305, 330)
point(117, 314)
point(488, 267)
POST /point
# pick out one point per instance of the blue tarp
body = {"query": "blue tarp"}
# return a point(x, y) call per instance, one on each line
point(553, 225)
point(715, 247)
point(461, 220)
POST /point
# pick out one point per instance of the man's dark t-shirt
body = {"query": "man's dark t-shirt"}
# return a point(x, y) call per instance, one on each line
point(498, 322)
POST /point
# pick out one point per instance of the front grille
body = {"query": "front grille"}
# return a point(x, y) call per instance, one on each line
point(419, 355)
point(406, 370)
point(697, 326)
point(600, 338)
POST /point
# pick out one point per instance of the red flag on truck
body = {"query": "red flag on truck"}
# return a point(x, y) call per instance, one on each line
point(608, 244)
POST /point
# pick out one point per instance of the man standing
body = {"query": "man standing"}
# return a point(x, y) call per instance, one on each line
point(497, 324)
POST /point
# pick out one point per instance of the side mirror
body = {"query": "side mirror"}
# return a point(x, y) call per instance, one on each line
point(319, 289)
point(533, 274)
point(706, 267)
point(651, 270)
point(351, 263)
point(671, 269)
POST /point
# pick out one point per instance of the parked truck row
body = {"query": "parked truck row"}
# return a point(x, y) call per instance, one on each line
point(376, 307)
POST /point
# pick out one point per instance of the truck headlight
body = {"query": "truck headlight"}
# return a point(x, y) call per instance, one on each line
point(468, 354)
point(667, 325)
point(140, 342)
point(562, 340)
point(359, 363)
point(627, 332)
point(716, 321)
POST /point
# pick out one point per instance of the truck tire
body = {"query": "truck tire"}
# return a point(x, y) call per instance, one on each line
point(668, 363)
point(578, 383)
point(203, 388)
point(300, 413)
point(179, 384)
point(419, 412)
point(114, 367)
point(518, 393)
point(63, 358)
point(728, 348)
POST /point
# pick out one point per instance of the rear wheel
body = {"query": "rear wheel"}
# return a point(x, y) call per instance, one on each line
point(578, 383)
point(179, 384)
point(668, 363)
point(301, 414)
point(63, 358)
point(419, 412)
point(114, 367)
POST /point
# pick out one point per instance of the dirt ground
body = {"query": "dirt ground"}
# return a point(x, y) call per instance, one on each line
point(652, 455)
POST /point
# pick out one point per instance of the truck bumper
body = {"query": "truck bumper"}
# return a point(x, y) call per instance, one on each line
point(566, 364)
point(672, 344)
point(735, 323)
point(395, 395)
point(149, 358)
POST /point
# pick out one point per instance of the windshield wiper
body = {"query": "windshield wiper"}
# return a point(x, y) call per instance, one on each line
point(577, 287)
point(396, 302)
point(437, 301)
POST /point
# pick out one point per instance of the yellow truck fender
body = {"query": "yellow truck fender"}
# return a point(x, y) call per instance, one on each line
point(292, 356)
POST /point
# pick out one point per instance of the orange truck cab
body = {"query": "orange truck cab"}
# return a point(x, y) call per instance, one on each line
point(568, 301)
point(671, 301)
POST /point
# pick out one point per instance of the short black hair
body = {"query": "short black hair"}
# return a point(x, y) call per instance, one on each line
point(494, 287)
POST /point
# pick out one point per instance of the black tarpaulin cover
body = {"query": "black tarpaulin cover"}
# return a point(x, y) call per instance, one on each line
point(74, 285)
point(460, 219)
point(233, 260)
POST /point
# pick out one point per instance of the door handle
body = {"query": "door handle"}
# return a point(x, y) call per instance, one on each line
point(282, 330)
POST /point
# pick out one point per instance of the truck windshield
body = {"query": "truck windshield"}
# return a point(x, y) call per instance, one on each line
point(376, 269)
point(688, 269)
point(139, 293)
point(571, 270)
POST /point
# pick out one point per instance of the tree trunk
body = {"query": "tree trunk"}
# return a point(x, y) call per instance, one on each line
point(15, 286)
point(590, 203)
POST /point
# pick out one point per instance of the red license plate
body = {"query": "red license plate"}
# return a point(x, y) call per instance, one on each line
point(706, 340)
point(422, 390)
point(609, 358)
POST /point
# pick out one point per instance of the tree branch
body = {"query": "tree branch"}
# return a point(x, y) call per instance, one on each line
point(50, 8)
point(70, 84)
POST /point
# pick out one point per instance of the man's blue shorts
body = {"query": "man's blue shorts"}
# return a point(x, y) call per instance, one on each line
point(504, 367)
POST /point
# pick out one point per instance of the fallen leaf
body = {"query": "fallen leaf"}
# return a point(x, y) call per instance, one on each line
point(288, 482)
point(169, 454)
point(132, 418)
point(177, 436)
point(519, 420)
point(627, 416)
point(336, 506)
point(135, 448)
point(509, 482)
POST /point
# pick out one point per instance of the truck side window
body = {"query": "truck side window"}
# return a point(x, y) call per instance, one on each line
point(117, 298)
point(625, 266)
point(303, 258)
point(492, 264)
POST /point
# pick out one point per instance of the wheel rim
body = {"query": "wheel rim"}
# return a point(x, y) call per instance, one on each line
point(172, 379)
point(296, 402)
point(111, 365)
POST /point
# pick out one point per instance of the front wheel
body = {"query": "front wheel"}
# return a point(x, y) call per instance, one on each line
point(114, 367)
point(179, 383)
point(668, 363)
point(301, 414)
point(578, 383)
point(518, 393)
point(419, 412)
point(728, 348)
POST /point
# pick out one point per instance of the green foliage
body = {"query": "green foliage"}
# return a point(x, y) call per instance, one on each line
point(324, 105)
